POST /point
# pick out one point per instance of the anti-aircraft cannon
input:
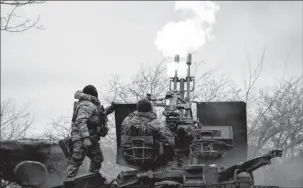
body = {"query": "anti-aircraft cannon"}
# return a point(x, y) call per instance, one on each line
point(204, 147)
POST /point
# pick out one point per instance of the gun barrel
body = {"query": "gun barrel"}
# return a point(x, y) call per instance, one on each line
point(182, 81)
point(176, 60)
point(188, 62)
point(250, 165)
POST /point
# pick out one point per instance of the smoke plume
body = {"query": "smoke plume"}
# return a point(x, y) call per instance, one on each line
point(190, 35)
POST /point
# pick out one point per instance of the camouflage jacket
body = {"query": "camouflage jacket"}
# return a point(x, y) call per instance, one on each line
point(147, 124)
point(88, 115)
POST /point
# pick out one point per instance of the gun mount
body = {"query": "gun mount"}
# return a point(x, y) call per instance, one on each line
point(195, 143)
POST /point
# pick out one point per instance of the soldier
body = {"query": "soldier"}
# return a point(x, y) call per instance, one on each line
point(88, 124)
point(145, 122)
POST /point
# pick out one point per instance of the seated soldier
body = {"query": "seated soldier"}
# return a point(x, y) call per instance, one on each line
point(144, 122)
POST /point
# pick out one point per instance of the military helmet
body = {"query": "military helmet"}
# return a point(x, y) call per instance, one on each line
point(144, 105)
point(90, 90)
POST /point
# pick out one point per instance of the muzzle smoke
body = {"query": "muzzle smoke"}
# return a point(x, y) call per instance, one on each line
point(188, 36)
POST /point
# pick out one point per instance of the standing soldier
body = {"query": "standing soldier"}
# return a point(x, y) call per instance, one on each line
point(88, 124)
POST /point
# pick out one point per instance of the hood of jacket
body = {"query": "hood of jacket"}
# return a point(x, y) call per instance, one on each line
point(85, 97)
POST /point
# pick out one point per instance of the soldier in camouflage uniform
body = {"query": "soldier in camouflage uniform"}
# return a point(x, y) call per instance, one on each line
point(88, 124)
point(145, 121)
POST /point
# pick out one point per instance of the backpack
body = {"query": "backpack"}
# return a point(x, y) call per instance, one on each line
point(103, 128)
point(138, 128)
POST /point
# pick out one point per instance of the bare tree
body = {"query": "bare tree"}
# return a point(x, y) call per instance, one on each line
point(9, 21)
point(210, 88)
point(262, 118)
point(281, 128)
point(58, 128)
point(281, 125)
point(14, 122)
point(250, 94)
point(148, 80)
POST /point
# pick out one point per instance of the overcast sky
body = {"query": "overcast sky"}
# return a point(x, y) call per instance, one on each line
point(86, 42)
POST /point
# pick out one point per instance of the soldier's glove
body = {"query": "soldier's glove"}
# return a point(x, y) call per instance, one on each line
point(106, 129)
point(87, 142)
point(104, 132)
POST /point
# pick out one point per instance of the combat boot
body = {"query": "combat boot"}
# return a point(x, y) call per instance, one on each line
point(103, 180)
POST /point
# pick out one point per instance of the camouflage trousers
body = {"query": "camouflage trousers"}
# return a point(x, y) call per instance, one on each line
point(78, 154)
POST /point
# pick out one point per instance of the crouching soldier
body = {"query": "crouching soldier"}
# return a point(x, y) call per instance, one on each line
point(89, 122)
point(144, 122)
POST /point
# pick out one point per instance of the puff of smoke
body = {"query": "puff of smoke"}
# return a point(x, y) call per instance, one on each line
point(188, 36)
